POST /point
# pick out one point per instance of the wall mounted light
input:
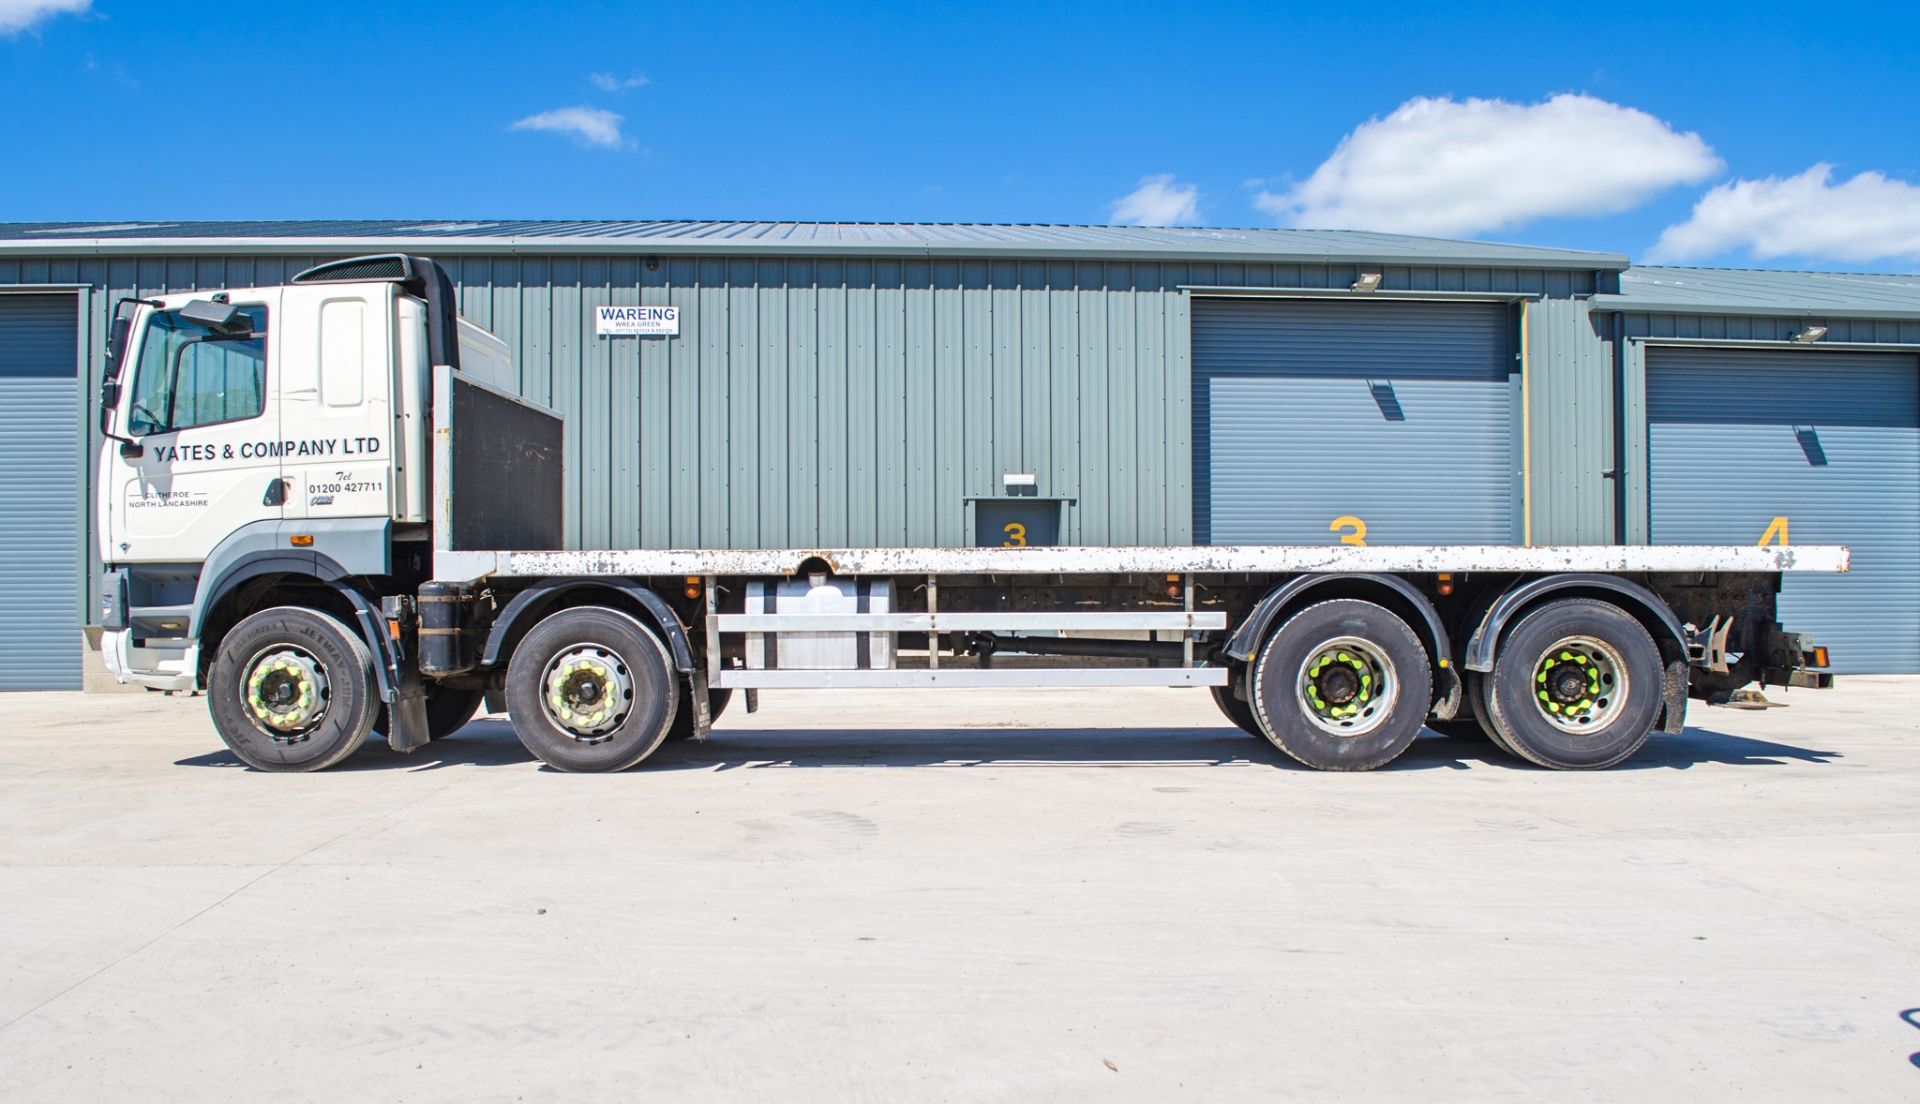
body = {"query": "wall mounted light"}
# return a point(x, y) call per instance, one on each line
point(1807, 335)
point(1368, 281)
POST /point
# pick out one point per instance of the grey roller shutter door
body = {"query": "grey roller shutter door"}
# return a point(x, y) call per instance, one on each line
point(1828, 440)
point(1399, 414)
point(39, 493)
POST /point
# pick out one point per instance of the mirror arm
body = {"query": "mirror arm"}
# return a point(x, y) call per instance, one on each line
point(109, 408)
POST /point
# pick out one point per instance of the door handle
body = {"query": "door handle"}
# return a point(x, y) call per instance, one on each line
point(276, 494)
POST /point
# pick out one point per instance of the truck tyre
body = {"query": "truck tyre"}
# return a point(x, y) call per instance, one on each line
point(448, 711)
point(1237, 710)
point(292, 689)
point(590, 689)
point(682, 729)
point(1476, 701)
point(1342, 685)
point(1576, 685)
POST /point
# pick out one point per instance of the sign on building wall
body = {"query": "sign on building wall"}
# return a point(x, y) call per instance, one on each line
point(618, 321)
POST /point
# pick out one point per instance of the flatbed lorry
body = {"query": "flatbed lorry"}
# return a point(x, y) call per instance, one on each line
point(320, 504)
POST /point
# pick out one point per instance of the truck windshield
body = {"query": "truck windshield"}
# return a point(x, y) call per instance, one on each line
point(190, 375)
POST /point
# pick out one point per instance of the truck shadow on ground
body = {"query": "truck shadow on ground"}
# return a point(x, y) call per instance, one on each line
point(491, 742)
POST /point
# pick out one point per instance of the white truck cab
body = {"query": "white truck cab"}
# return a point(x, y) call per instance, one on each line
point(279, 420)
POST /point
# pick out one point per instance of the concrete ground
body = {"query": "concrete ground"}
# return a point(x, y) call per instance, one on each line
point(952, 895)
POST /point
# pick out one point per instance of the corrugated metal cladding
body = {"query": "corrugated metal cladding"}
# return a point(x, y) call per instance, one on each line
point(1809, 446)
point(1571, 433)
point(1391, 422)
point(39, 491)
point(815, 402)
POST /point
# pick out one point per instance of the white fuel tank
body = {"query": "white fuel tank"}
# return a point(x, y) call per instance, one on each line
point(819, 651)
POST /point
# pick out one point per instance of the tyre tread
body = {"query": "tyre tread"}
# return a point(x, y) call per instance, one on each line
point(1501, 724)
point(1257, 699)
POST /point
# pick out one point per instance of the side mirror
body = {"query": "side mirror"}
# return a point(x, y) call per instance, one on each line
point(221, 318)
point(123, 315)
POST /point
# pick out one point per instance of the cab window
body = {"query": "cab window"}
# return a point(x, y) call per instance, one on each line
point(190, 375)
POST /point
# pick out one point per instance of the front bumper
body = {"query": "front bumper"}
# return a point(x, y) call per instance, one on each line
point(152, 668)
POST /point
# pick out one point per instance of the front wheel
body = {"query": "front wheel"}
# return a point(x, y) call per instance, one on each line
point(292, 689)
point(1576, 685)
point(1342, 685)
point(590, 689)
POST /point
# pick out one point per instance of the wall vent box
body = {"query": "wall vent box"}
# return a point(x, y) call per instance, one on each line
point(1021, 522)
point(819, 651)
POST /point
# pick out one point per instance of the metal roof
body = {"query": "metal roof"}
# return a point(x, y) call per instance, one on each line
point(900, 239)
point(1661, 290)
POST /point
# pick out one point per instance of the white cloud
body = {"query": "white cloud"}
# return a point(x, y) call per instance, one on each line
point(1444, 166)
point(1158, 201)
point(20, 15)
point(607, 82)
point(1870, 217)
point(590, 126)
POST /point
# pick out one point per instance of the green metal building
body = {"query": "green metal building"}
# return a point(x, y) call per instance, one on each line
point(886, 384)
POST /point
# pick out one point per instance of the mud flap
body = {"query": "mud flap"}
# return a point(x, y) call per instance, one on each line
point(1450, 695)
point(1673, 717)
point(702, 707)
point(407, 712)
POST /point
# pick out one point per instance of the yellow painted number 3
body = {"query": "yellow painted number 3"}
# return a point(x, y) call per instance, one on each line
point(1348, 521)
point(1016, 535)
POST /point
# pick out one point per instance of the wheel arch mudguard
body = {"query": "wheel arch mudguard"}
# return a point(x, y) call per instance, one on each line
point(1644, 604)
point(1245, 641)
point(530, 605)
point(320, 568)
point(1641, 603)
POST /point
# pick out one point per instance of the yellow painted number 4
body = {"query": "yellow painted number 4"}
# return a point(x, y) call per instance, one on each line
point(1348, 521)
point(1016, 535)
point(1776, 533)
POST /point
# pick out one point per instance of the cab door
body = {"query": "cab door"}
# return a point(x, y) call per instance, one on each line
point(336, 400)
point(202, 424)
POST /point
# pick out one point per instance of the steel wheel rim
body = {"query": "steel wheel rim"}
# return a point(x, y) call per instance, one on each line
point(1579, 684)
point(587, 692)
point(1347, 687)
point(284, 692)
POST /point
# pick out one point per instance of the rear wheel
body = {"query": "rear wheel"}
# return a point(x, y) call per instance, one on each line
point(1576, 685)
point(1476, 702)
point(1473, 699)
point(1342, 685)
point(590, 689)
point(1237, 709)
point(292, 689)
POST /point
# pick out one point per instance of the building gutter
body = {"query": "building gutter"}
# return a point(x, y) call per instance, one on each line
point(1228, 292)
point(736, 247)
point(1631, 305)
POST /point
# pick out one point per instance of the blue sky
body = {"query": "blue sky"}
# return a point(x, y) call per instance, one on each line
point(1588, 126)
